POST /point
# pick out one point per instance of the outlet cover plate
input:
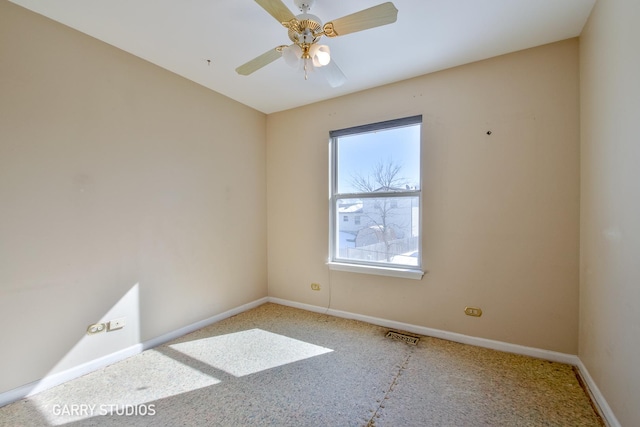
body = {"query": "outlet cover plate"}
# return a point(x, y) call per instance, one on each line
point(117, 323)
point(473, 311)
point(96, 328)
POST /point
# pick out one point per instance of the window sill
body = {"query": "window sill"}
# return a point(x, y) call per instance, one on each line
point(405, 273)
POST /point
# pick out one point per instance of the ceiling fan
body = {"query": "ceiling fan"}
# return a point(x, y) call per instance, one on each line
point(305, 30)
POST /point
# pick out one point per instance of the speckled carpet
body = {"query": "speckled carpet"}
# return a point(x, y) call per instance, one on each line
point(280, 366)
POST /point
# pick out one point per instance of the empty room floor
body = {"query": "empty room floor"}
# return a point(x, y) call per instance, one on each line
point(277, 365)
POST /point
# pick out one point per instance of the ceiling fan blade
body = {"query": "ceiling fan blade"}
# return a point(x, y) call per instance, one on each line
point(277, 9)
point(382, 14)
point(333, 74)
point(258, 62)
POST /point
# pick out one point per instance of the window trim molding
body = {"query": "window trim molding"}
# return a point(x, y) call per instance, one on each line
point(404, 273)
point(340, 264)
point(372, 127)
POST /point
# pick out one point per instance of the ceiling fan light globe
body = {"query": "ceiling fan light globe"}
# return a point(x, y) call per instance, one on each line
point(322, 55)
point(297, 50)
point(313, 54)
point(291, 55)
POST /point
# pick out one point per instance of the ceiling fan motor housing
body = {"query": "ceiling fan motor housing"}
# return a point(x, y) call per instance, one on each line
point(304, 28)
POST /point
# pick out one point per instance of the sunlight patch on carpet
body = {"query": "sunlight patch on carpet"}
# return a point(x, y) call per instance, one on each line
point(137, 382)
point(247, 352)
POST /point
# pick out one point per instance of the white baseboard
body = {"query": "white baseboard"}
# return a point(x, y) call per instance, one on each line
point(154, 342)
point(553, 356)
point(69, 374)
point(604, 408)
point(93, 365)
point(77, 371)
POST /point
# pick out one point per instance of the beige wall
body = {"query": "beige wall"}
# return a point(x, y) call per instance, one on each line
point(501, 212)
point(115, 173)
point(126, 190)
point(610, 204)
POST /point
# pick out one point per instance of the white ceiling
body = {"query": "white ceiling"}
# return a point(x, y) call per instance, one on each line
point(205, 40)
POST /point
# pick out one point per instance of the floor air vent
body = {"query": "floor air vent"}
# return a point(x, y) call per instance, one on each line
point(409, 339)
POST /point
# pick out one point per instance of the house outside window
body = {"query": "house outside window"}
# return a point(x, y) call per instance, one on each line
point(375, 178)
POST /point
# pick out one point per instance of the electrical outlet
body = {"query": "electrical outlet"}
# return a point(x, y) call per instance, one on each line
point(117, 323)
point(96, 328)
point(473, 311)
point(315, 286)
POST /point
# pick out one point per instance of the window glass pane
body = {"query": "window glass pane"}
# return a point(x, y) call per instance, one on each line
point(384, 160)
point(387, 230)
point(376, 194)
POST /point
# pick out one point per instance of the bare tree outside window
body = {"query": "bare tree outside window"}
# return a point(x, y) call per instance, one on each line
point(375, 194)
point(385, 177)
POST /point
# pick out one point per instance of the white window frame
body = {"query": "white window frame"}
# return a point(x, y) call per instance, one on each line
point(361, 266)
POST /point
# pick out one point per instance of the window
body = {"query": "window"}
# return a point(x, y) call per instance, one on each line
point(375, 174)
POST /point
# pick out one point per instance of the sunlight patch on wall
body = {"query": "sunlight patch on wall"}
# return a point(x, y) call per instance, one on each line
point(89, 353)
point(247, 352)
point(90, 348)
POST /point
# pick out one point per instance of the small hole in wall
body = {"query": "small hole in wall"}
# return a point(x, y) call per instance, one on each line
point(488, 132)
